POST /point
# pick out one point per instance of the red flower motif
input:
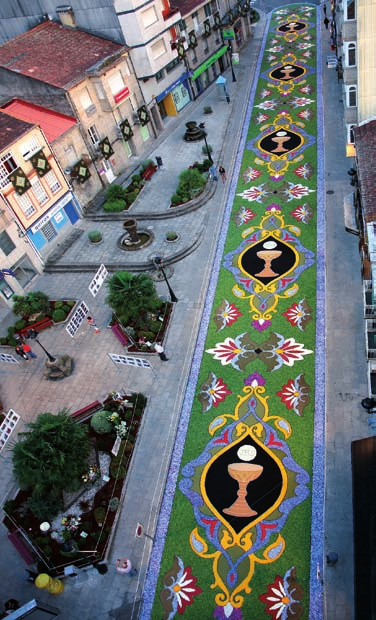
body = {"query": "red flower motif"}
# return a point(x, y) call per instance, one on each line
point(294, 394)
point(283, 597)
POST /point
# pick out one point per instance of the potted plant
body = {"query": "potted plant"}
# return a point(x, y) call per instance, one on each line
point(171, 236)
point(208, 109)
point(95, 236)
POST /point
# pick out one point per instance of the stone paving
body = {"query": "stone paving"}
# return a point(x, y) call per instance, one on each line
point(23, 388)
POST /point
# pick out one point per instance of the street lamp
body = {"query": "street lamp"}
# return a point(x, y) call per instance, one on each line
point(229, 49)
point(32, 333)
point(158, 263)
point(202, 126)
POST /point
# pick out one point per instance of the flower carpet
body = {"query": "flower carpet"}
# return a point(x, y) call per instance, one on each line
point(240, 534)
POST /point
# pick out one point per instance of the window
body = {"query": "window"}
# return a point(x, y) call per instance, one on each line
point(171, 65)
point(49, 231)
point(350, 10)
point(350, 134)
point(30, 147)
point(52, 181)
point(351, 97)
point(158, 49)
point(38, 191)
point(116, 83)
point(93, 134)
point(100, 90)
point(87, 102)
point(6, 243)
point(351, 54)
point(26, 205)
point(7, 165)
point(182, 26)
point(195, 20)
point(207, 9)
point(159, 76)
point(149, 17)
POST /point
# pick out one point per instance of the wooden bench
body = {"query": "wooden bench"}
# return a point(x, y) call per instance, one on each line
point(116, 329)
point(19, 544)
point(38, 326)
point(86, 412)
point(148, 172)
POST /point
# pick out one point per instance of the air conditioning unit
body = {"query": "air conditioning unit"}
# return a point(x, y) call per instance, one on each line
point(136, 120)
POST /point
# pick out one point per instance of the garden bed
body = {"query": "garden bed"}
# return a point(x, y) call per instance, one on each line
point(136, 339)
point(80, 535)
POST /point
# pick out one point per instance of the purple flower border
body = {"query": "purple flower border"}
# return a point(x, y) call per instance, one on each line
point(317, 524)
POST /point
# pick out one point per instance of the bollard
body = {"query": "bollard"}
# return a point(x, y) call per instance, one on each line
point(51, 585)
point(332, 558)
point(159, 161)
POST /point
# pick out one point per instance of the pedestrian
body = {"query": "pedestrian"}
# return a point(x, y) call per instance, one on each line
point(92, 323)
point(124, 566)
point(213, 174)
point(11, 605)
point(222, 173)
point(326, 22)
point(19, 350)
point(160, 350)
point(26, 348)
point(324, 8)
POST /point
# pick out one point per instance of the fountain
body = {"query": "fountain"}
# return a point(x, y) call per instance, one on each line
point(134, 239)
point(193, 133)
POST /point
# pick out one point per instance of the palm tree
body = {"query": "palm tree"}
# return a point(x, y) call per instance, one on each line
point(52, 456)
point(35, 302)
point(132, 296)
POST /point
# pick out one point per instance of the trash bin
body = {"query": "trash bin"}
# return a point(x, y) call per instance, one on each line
point(159, 161)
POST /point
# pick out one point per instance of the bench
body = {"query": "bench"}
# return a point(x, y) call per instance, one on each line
point(38, 326)
point(148, 172)
point(19, 544)
point(85, 412)
point(119, 334)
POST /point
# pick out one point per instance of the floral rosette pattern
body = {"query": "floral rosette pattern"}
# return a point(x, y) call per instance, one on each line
point(234, 537)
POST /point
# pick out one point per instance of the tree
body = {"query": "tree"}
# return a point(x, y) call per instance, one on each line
point(52, 456)
point(35, 302)
point(132, 296)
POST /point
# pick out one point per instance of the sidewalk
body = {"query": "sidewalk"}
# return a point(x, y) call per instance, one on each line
point(24, 389)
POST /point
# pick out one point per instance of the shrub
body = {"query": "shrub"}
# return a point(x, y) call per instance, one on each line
point(207, 149)
point(100, 422)
point(58, 304)
point(45, 507)
point(115, 192)
point(114, 504)
point(175, 200)
point(47, 551)
point(58, 315)
point(20, 324)
point(131, 197)
point(70, 303)
point(99, 515)
point(95, 236)
point(10, 331)
point(207, 109)
point(66, 308)
point(155, 327)
point(32, 303)
point(10, 506)
point(171, 235)
point(136, 178)
point(84, 505)
point(113, 206)
point(146, 163)
point(4, 341)
point(118, 471)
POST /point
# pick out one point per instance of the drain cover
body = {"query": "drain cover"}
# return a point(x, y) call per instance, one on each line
point(330, 191)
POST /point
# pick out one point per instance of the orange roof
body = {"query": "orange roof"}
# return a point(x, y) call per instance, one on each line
point(54, 124)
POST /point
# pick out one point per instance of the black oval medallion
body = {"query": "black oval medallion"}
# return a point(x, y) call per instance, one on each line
point(287, 73)
point(280, 142)
point(268, 260)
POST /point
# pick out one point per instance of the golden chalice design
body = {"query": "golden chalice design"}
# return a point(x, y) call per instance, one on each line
point(268, 256)
point(244, 473)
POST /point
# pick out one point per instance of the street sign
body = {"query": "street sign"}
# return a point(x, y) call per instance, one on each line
point(77, 319)
point(228, 34)
point(98, 280)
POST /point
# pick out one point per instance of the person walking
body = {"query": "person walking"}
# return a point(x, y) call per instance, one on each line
point(222, 173)
point(26, 348)
point(92, 323)
point(324, 8)
point(326, 22)
point(213, 172)
point(19, 350)
point(160, 350)
point(124, 566)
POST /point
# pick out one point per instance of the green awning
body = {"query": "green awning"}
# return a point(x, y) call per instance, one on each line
point(210, 61)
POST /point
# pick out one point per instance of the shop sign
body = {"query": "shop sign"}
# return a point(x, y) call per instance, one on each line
point(122, 94)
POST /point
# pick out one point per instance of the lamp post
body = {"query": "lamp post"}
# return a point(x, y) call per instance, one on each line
point(158, 262)
point(33, 335)
point(229, 49)
point(202, 126)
